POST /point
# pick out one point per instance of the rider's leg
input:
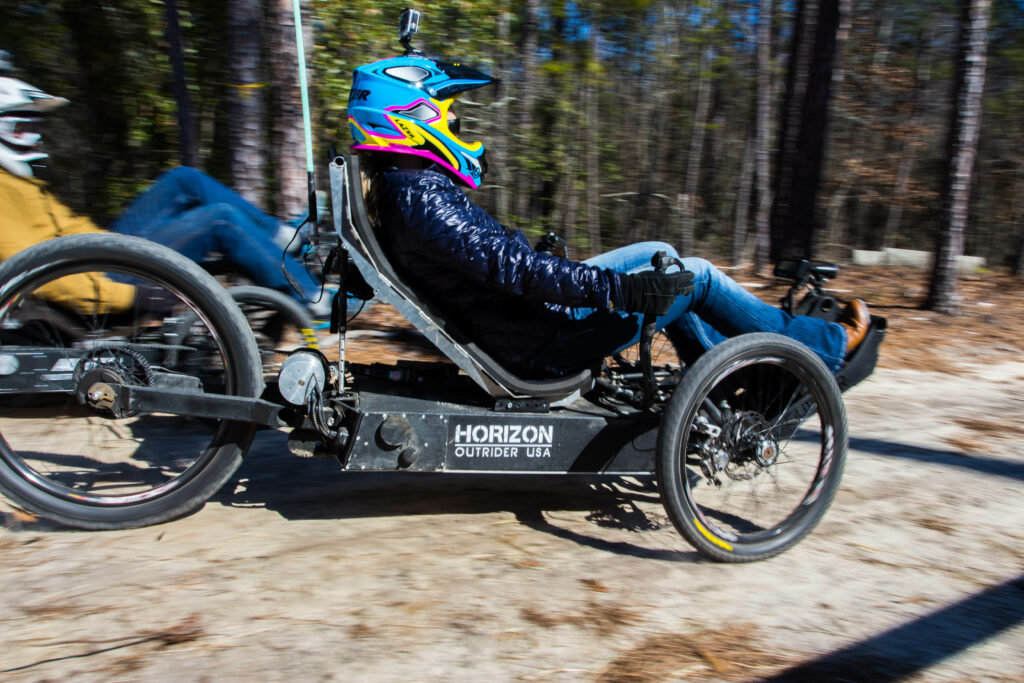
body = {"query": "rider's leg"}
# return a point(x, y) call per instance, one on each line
point(732, 310)
point(224, 229)
point(181, 190)
point(717, 308)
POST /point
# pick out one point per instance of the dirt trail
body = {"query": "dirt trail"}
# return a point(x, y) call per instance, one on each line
point(298, 571)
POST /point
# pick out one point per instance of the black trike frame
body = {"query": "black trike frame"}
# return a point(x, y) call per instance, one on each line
point(427, 417)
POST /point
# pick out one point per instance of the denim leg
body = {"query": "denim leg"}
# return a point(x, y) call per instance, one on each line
point(179, 191)
point(637, 257)
point(225, 229)
point(718, 308)
point(632, 258)
point(731, 310)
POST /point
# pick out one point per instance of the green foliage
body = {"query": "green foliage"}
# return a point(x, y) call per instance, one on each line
point(110, 58)
point(352, 33)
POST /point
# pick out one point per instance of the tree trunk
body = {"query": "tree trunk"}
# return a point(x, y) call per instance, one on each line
point(802, 137)
point(570, 196)
point(592, 142)
point(526, 100)
point(101, 73)
point(288, 145)
point(831, 249)
point(963, 145)
point(500, 168)
point(911, 144)
point(835, 238)
point(892, 221)
point(742, 218)
point(700, 118)
point(248, 148)
point(762, 221)
point(1018, 264)
point(186, 128)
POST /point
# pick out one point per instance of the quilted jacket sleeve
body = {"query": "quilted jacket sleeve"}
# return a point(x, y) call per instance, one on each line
point(456, 235)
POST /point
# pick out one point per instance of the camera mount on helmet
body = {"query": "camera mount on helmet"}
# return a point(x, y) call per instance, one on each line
point(408, 26)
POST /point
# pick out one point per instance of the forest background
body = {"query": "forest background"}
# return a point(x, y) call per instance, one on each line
point(616, 120)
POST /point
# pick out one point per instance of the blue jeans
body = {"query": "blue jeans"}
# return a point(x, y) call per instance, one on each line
point(195, 215)
point(717, 308)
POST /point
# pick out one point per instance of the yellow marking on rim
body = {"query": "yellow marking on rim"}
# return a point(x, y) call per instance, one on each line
point(714, 539)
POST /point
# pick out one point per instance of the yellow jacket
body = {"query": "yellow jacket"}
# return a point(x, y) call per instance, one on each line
point(30, 214)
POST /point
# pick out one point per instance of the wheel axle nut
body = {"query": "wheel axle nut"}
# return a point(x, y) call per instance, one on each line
point(101, 395)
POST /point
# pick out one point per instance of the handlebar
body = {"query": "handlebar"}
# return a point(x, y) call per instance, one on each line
point(661, 262)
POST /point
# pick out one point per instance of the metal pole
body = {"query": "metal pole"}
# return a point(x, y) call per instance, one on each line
point(306, 124)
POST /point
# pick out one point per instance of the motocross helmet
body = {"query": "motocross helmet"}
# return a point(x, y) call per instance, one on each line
point(400, 105)
point(20, 108)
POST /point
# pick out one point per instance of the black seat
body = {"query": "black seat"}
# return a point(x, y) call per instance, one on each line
point(356, 230)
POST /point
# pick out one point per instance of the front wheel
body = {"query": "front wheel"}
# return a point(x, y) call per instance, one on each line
point(751, 448)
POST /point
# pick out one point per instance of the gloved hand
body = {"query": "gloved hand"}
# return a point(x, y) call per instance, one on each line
point(355, 284)
point(153, 300)
point(651, 292)
point(549, 242)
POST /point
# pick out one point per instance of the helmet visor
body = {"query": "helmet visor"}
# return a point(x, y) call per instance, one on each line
point(20, 131)
point(461, 78)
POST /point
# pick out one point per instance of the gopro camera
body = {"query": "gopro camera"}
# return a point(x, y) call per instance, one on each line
point(408, 25)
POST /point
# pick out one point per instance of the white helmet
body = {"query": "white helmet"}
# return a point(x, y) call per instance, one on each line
point(20, 105)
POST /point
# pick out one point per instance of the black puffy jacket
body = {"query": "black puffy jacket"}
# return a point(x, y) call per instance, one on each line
point(485, 277)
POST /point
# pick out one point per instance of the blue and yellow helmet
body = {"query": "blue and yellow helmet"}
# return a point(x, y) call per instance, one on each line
point(400, 105)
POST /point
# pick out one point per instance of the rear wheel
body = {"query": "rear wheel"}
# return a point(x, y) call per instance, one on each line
point(81, 461)
point(751, 447)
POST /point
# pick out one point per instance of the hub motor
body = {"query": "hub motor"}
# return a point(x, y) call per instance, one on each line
point(303, 375)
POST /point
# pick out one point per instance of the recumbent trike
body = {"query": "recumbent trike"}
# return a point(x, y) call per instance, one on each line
point(112, 420)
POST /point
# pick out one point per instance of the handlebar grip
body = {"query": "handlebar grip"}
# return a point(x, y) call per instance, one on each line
point(660, 261)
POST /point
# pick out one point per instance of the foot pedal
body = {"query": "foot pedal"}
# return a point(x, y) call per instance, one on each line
point(861, 364)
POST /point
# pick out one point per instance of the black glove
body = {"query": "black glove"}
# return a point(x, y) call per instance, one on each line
point(652, 292)
point(153, 300)
point(356, 284)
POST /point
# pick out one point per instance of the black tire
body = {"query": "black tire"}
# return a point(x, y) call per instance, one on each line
point(765, 480)
point(279, 323)
point(88, 468)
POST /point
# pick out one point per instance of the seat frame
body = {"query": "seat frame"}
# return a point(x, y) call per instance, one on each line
point(356, 233)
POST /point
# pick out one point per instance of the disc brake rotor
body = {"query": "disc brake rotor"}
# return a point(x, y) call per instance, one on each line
point(747, 438)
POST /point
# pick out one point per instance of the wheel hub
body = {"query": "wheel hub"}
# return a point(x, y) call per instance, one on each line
point(741, 448)
point(767, 452)
point(98, 371)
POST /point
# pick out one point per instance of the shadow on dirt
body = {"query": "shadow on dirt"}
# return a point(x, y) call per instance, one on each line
point(922, 643)
point(978, 463)
point(317, 488)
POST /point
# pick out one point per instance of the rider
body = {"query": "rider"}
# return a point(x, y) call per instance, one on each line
point(185, 209)
point(537, 313)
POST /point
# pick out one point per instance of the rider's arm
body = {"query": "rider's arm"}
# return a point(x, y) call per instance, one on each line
point(459, 236)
